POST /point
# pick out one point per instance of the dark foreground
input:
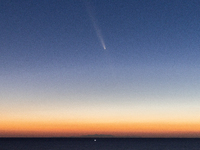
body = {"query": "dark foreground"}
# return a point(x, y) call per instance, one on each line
point(99, 144)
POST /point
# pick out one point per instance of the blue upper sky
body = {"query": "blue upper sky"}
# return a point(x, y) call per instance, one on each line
point(37, 33)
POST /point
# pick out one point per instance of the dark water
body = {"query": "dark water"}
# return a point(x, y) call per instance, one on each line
point(99, 144)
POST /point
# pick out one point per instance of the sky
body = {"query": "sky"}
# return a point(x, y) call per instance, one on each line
point(108, 67)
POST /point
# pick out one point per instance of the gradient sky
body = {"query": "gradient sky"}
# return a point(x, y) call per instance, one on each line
point(117, 67)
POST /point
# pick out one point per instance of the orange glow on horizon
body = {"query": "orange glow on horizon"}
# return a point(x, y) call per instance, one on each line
point(52, 129)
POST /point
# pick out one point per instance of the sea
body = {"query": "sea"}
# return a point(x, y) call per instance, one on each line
point(99, 143)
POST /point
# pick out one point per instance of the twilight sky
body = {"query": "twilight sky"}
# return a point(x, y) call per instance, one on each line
point(117, 67)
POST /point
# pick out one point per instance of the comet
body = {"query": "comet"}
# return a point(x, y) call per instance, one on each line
point(95, 25)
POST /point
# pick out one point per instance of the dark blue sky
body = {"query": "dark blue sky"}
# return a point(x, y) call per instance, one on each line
point(53, 62)
point(37, 33)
